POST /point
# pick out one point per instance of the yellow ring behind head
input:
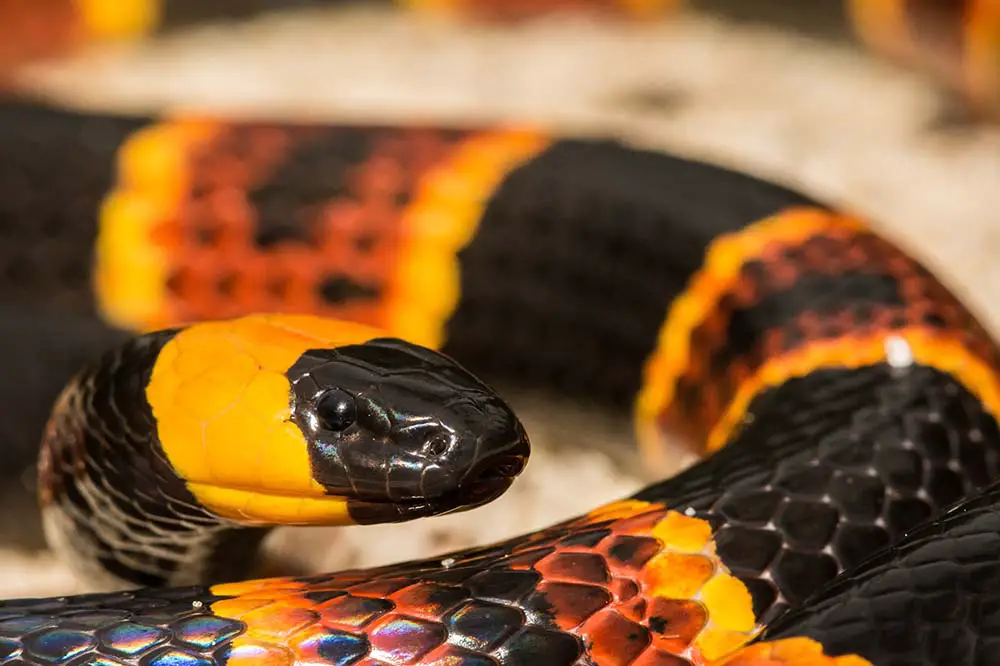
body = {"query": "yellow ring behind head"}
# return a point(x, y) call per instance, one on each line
point(221, 402)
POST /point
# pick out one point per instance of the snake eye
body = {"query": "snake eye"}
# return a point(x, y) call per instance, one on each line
point(336, 410)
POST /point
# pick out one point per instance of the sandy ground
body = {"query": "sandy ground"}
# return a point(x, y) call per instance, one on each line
point(821, 117)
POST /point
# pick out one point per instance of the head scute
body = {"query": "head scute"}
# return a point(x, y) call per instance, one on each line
point(402, 430)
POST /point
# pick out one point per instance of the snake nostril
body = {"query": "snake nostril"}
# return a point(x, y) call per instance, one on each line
point(437, 445)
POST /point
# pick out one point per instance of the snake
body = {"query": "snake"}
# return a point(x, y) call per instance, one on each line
point(244, 323)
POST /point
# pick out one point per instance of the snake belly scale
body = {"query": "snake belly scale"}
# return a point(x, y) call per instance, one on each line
point(845, 399)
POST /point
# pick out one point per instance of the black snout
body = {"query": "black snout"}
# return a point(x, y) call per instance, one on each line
point(403, 432)
point(495, 472)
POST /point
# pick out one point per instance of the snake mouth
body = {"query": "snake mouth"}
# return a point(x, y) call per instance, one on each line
point(481, 486)
point(491, 480)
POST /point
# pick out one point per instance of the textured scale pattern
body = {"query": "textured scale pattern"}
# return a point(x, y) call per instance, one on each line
point(514, 601)
point(366, 223)
point(155, 535)
point(830, 456)
point(634, 584)
point(819, 471)
point(803, 290)
point(930, 599)
point(581, 303)
point(830, 286)
point(887, 450)
point(296, 218)
point(175, 628)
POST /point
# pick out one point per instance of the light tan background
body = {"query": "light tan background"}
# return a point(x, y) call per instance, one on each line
point(821, 117)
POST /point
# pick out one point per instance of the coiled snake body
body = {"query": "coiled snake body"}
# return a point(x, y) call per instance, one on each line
point(847, 400)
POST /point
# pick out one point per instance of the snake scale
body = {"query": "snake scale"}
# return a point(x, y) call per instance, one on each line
point(274, 322)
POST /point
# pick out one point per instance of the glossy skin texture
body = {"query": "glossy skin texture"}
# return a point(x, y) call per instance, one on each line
point(410, 433)
point(826, 467)
point(943, 577)
point(404, 431)
point(847, 396)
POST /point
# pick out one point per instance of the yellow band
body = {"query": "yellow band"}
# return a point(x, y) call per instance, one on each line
point(440, 222)
point(926, 346)
point(220, 399)
point(719, 275)
point(131, 263)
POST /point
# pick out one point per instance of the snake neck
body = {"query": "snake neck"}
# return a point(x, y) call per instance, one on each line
point(154, 535)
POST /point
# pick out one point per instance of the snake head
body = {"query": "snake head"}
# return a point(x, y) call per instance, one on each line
point(294, 419)
point(402, 431)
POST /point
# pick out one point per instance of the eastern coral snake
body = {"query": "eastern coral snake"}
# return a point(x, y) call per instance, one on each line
point(306, 298)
